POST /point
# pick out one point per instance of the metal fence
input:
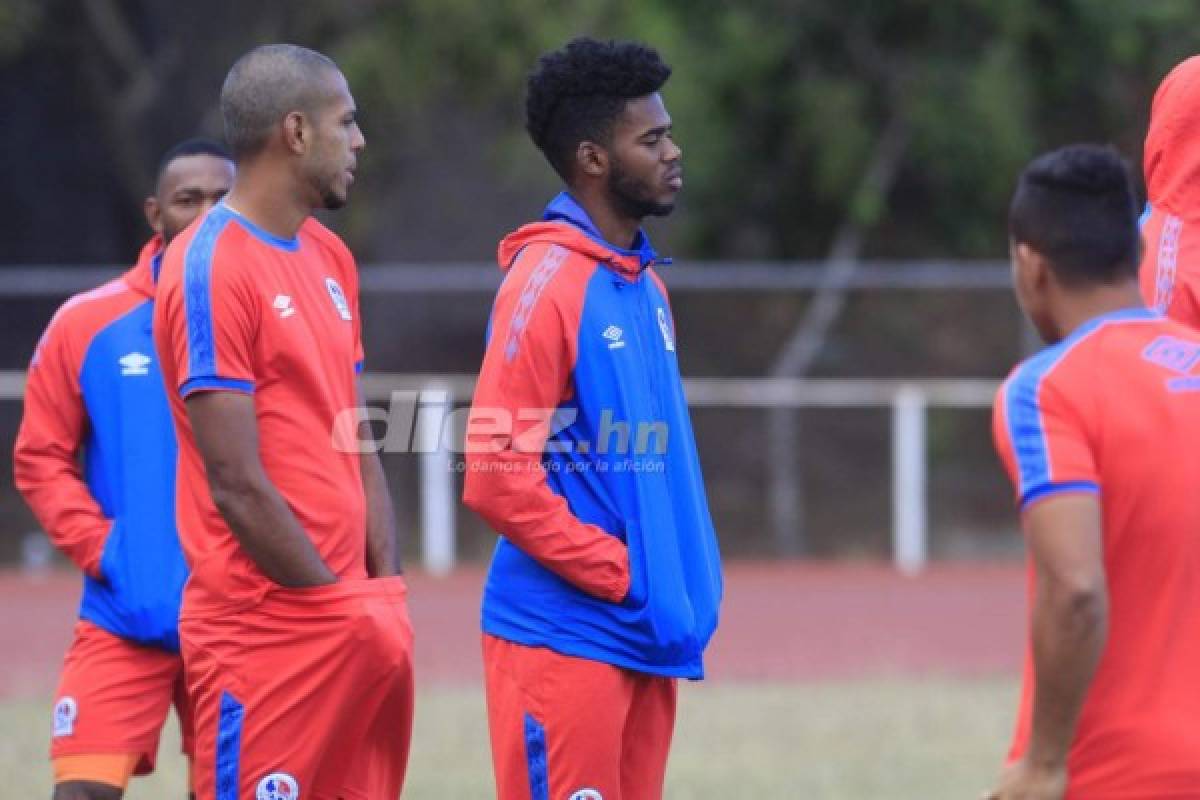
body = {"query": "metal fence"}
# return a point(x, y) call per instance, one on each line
point(907, 401)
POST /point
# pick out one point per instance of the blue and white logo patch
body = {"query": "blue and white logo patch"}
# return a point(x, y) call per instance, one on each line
point(339, 299)
point(277, 786)
point(65, 712)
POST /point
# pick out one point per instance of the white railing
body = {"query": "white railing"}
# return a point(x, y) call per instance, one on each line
point(909, 401)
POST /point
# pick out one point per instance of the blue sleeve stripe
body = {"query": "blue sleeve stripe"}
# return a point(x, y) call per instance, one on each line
point(535, 759)
point(219, 384)
point(229, 747)
point(1023, 415)
point(197, 294)
point(1050, 489)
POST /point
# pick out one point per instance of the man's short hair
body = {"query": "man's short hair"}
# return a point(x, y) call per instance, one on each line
point(190, 147)
point(576, 93)
point(263, 86)
point(1076, 206)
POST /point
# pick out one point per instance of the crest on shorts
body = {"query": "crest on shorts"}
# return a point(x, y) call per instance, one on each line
point(65, 712)
point(339, 299)
point(586, 794)
point(277, 786)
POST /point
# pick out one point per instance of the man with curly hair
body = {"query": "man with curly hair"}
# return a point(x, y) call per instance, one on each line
point(605, 585)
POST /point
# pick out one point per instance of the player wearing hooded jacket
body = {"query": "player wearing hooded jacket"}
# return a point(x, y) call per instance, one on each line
point(605, 585)
point(95, 390)
point(1170, 266)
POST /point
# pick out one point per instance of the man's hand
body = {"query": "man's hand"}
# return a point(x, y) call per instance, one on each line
point(1026, 781)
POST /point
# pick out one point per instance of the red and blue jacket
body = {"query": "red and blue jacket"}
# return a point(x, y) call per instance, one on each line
point(95, 456)
point(580, 454)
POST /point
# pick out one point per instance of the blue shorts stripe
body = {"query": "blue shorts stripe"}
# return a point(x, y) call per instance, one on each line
point(229, 747)
point(197, 294)
point(535, 757)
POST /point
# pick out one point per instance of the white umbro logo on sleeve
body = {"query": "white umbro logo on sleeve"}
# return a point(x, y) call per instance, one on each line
point(283, 304)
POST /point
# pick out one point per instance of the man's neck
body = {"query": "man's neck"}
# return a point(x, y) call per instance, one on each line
point(267, 197)
point(1084, 306)
point(615, 228)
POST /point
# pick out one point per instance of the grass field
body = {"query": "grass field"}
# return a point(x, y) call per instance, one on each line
point(866, 740)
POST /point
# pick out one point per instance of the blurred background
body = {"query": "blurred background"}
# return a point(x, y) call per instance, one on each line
point(848, 169)
point(839, 286)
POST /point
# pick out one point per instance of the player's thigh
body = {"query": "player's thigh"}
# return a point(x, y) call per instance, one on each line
point(377, 756)
point(113, 697)
point(555, 721)
point(287, 692)
point(647, 739)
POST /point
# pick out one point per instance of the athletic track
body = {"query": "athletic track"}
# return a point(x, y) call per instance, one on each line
point(780, 622)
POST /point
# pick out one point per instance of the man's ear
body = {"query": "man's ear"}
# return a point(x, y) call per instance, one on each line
point(1033, 269)
point(153, 212)
point(591, 159)
point(296, 133)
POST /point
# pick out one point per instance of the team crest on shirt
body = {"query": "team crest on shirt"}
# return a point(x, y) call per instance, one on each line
point(586, 794)
point(65, 713)
point(339, 299)
point(277, 786)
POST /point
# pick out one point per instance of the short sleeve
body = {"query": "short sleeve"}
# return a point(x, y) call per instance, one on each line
point(1042, 437)
point(221, 322)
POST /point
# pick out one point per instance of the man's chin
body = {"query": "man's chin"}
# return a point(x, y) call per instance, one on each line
point(660, 209)
point(332, 201)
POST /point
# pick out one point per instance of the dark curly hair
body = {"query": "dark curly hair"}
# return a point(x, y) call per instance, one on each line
point(1076, 206)
point(574, 94)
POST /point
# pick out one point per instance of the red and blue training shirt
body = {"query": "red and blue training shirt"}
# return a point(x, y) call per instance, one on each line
point(1114, 409)
point(241, 310)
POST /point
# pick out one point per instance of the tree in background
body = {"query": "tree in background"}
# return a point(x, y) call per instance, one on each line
point(783, 108)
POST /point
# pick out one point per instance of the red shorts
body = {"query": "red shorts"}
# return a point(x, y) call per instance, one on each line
point(113, 697)
point(562, 725)
point(309, 693)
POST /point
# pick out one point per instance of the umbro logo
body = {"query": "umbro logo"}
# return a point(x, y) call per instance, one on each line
point(134, 364)
point(615, 337)
point(283, 304)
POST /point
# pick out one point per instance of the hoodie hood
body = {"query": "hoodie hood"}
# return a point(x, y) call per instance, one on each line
point(1172, 154)
point(143, 276)
point(566, 223)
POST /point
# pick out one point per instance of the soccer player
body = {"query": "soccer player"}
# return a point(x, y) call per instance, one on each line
point(1170, 271)
point(606, 581)
point(95, 460)
point(294, 627)
point(1098, 434)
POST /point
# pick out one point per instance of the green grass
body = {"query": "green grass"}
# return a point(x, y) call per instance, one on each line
point(873, 740)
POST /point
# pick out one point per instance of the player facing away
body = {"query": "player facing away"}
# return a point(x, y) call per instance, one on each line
point(605, 584)
point(1170, 271)
point(95, 460)
point(1098, 434)
point(294, 626)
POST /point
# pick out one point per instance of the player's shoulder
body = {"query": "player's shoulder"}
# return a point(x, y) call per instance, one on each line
point(547, 272)
point(325, 240)
point(95, 308)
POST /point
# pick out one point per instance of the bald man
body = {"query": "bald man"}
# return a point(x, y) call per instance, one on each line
point(294, 627)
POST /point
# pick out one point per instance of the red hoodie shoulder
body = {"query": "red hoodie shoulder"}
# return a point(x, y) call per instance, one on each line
point(1172, 153)
point(84, 315)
